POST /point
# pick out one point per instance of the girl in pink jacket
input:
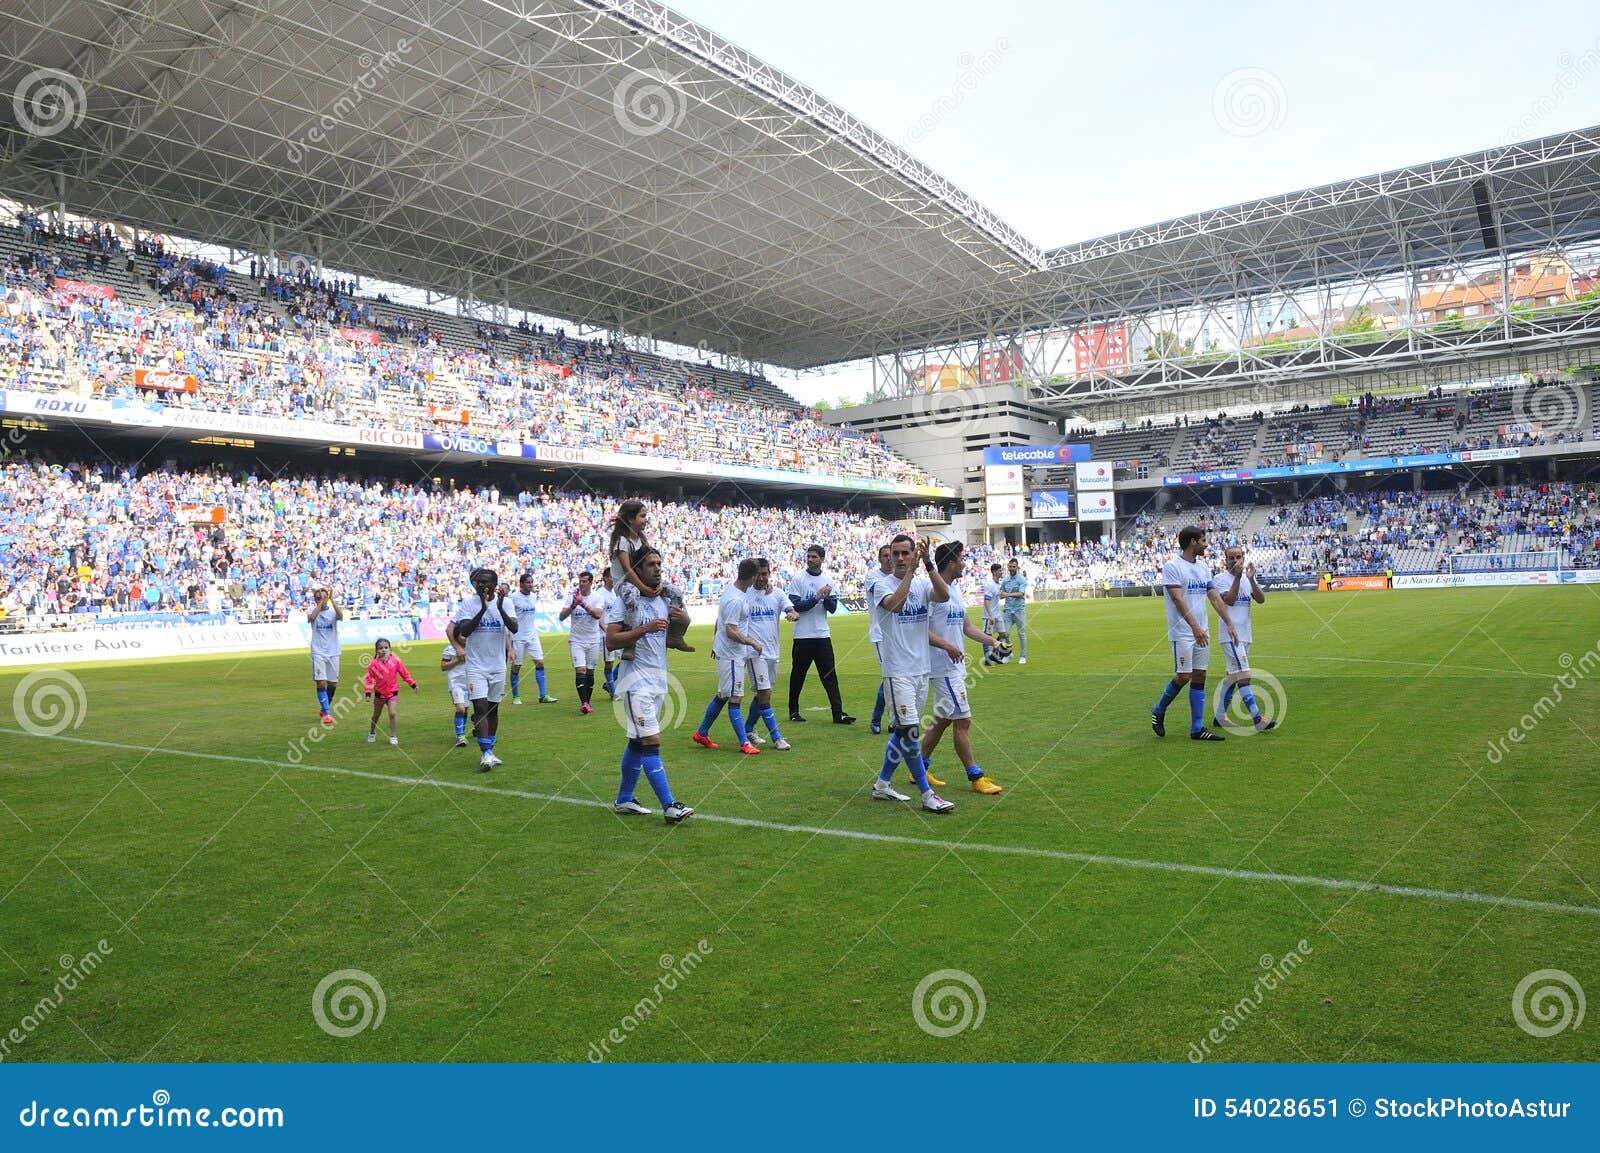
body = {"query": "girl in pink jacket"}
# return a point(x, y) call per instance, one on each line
point(384, 674)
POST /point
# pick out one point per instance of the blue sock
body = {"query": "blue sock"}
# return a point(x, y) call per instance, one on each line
point(656, 774)
point(713, 711)
point(1227, 699)
point(913, 758)
point(771, 720)
point(1168, 695)
point(611, 679)
point(322, 700)
point(974, 772)
point(1249, 696)
point(632, 766)
point(461, 725)
point(1197, 709)
point(516, 684)
point(877, 707)
point(485, 743)
point(891, 758)
point(736, 719)
point(538, 675)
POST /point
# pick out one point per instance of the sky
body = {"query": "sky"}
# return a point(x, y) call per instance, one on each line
point(1074, 119)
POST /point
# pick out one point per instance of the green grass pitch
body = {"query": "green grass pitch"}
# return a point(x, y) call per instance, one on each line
point(503, 922)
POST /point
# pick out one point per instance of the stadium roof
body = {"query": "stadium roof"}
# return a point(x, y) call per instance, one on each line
point(614, 163)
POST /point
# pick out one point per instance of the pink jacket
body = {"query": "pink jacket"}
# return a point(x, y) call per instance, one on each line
point(384, 676)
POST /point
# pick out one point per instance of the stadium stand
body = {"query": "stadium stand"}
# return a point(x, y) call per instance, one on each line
point(295, 348)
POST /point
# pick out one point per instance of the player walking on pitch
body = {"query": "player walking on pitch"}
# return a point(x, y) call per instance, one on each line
point(948, 630)
point(324, 617)
point(991, 612)
point(1187, 580)
point(732, 646)
point(453, 664)
point(1014, 596)
point(1232, 591)
point(584, 640)
point(767, 607)
point(901, 611)
point(884, 573)
point(640, 627)
point(525, 643)
point(483, 636)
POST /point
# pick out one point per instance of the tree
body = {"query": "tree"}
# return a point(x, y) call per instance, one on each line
point(1167, 346)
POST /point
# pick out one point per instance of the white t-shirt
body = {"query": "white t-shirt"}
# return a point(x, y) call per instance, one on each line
point(870, 587)
point(903, 635)
point(585, 627)
point(1193, 578)
point(486, 646)
point(325, 634)
point(991, 597)
point(766, 610)
point(1239, 612)
point(732, 609)
point(648, 669)
point(523, 605)
point(456, 675)
point(948, 622)
point(813, 623)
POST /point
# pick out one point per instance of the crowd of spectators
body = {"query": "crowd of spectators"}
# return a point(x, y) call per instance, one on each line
point(300, 348)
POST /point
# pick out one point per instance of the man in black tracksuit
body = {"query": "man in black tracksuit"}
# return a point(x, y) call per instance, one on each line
point(813, 597)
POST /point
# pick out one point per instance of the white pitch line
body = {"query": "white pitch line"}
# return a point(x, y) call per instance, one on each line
point(1340, 883)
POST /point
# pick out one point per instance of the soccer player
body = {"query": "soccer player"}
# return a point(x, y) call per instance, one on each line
point(382, 686)
point(991, 610)
point(525, 642)
point(1014, 595)
point(1187, 580)
point(584, 641)
point(812, 595)
point(948, 629)
point(602, 598)
point(640, 627)
point(483, 637)
point(767, 605)
point(901, 611)
point(732, 646)
point(453, 664)
point(1232, 591)
point(324, 617)
point(884, 572)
